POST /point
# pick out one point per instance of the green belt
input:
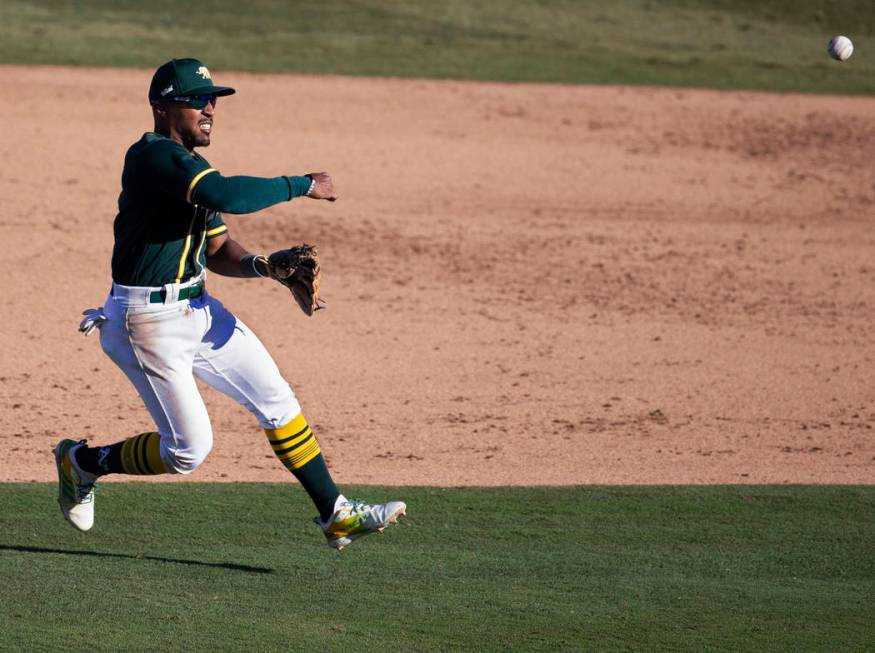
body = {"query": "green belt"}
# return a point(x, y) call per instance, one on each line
point(158, 296)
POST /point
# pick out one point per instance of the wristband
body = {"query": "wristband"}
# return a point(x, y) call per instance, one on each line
point(312, 186)
point(255, 267)
point(248, 268)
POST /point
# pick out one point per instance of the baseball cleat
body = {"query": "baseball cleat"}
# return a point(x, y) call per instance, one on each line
point(75, 486)
point(355, 518)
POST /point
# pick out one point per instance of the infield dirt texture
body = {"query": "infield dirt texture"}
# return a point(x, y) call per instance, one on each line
point(526, 284)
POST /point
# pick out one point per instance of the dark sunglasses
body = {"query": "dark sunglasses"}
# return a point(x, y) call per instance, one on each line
point(197, 101)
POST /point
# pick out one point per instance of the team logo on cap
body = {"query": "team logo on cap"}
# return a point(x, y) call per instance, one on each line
point(203, 72)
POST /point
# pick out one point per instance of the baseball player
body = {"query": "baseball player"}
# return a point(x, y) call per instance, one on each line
point(161, 326)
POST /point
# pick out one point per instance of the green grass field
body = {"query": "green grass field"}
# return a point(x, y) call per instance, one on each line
point(773, 45)
point(201, 567)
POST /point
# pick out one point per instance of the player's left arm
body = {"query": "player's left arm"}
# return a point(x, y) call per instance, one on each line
point(229, 258)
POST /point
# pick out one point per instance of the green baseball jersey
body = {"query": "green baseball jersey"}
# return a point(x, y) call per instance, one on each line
point(160, 235)
point(170, 206)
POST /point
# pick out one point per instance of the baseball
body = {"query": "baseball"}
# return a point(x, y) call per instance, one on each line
point(840, 48)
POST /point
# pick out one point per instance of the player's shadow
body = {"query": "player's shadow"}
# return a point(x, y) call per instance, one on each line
point(102, 554)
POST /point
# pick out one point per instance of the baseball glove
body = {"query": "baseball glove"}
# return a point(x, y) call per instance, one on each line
point(297, 268)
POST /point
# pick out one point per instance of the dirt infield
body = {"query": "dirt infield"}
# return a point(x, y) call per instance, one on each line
point(526, 284)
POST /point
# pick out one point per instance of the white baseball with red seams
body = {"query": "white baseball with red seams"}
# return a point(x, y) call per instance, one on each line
point(840, 48)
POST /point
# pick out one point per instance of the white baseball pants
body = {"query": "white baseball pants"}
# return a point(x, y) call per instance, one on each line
point(162, 347)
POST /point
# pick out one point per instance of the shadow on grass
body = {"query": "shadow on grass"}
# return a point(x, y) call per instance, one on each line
point(101, 554)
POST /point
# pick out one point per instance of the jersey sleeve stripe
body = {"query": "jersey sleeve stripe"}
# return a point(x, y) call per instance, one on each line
point(215, 231)
point(197, 178)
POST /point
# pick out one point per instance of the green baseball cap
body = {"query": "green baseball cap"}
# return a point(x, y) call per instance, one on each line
point(183, 78)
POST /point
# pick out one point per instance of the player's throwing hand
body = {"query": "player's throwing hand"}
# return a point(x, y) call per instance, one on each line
point(321, 187)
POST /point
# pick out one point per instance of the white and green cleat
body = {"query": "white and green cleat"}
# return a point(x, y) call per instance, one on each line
point(75, 486)
point(355, 518)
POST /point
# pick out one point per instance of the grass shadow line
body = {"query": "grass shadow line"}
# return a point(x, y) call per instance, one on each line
point(102, 554)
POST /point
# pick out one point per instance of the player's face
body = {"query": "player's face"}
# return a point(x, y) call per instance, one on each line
point(190, 126)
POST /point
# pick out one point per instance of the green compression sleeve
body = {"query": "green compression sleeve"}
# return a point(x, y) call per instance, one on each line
point(241, 194)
